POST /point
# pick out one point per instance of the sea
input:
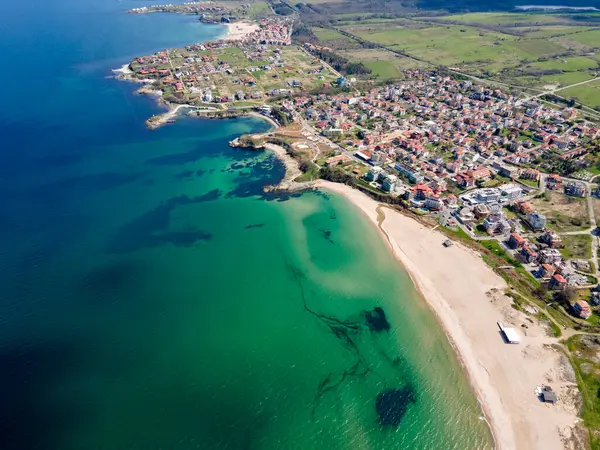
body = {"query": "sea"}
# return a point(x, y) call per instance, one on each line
point(154, 297)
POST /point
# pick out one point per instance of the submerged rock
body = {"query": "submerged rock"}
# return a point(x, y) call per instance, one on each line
point(392, 405)
point(376, 320)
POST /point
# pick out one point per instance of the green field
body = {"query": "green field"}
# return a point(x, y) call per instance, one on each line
point(577, 246)
point(295, 65)
point(459, 45)
point(515, 48)
point(588, 94)
point(383, 69)
point(589, 38)
point(584, 359)
point(548, 32)
point(505, 18)
point(535, 48)
point(258, 9)
point(567, 64)
point(325, 35)
point(566, 79)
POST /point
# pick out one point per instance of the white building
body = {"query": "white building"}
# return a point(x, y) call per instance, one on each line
point(332, 132)
point(374, 173)
point(511, 191)
point(388, 183)
point(489, 195)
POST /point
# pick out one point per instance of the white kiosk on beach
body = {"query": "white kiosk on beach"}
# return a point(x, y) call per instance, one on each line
point(510, 334)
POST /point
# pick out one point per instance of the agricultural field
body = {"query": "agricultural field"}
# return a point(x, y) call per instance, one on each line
point(531, 49)
point(563, 213)
point(462, 46)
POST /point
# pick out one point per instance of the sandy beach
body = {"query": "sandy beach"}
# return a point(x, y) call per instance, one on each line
point(467, 297)
point(239, 30)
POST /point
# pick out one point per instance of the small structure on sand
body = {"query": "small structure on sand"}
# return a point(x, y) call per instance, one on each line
point(510, 335)
point(546, 394)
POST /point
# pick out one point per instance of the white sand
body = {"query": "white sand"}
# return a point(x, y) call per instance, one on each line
point(237, 31)
point(458, 286)
point(124, 69)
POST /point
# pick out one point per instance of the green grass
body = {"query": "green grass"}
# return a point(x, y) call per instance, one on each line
point(567, 64)
point(354, 15)
point(549, 32)
point(530, 183)
point(535, 48)
point(495, 247)
point(589, 38)
point(588, 94)
point(383, 69)
point(258, 9)
point(504, 18)
point(583, 360)
point(565, 79)
point(325, 35)
point(556, 331)
point(577, 246)
point(459, 45)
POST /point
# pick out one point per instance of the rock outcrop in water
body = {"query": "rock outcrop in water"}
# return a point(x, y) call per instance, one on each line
point(392, 405)
point(376, 320)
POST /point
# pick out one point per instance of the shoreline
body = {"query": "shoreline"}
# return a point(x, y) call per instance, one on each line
point(290, 164)
point(233, 32)
point(237, 31)
point(467, 306)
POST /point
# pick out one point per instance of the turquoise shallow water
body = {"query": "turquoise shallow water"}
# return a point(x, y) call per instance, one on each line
point(154, 298)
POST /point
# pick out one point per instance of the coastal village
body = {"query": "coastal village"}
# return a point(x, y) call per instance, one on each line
point(468, 155)
point(505, 174)
point(239, 74)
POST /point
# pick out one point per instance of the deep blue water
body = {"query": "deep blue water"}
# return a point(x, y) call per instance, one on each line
point(62, 112)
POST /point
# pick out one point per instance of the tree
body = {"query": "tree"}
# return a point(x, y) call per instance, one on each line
point(566, 296)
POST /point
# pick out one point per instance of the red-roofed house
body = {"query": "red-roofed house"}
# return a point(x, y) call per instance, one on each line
point(558, 282)
point(480, 174)
point(546, 271)
point(528, 254)
point(516, 240)
point(582, 309)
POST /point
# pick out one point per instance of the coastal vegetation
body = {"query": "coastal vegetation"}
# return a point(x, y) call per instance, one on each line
point(584, 355)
